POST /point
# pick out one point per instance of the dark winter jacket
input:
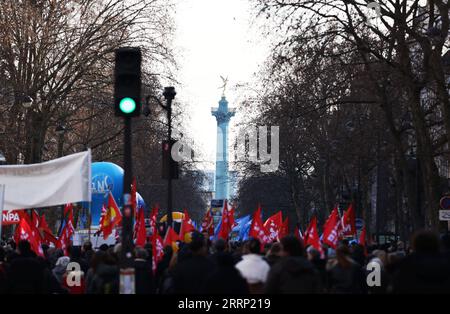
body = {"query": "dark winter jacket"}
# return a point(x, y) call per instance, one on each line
point(351, 279)
point(28, 274)
point(225, 278)
point(422, 273)
point(144, 277)
point(105, 280)
point(190, 275)
point(293, 275)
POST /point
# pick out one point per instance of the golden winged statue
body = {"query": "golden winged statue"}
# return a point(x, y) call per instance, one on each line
point(224, 86)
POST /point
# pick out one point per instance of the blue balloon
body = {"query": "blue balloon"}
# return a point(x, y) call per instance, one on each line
point(107, 177)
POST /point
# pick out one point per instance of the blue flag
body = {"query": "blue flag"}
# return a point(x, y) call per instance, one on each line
point(217, 228)
point(241, 227)
point(245, 231)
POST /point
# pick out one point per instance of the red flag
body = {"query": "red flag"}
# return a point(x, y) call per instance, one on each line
point(257, 229)
point(112, 217)
point(64, 240)
point(68, 213)
point(273, 226)
point(312, 235)
point(332, 229)
point(349, 222)
point(46, 233)
point(25, 232)
point(34, 233)
point(186, 227)
point(225, 226)
point(141, 235)
point(284, 229)
point(171, 239)
point(43, 223)
point(362, 240)
point(157, 249)
point(34, 224)
point(208, 223)
point(231, 218)
point(23, 215)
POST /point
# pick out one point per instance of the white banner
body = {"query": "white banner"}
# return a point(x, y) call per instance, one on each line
point(57, 182)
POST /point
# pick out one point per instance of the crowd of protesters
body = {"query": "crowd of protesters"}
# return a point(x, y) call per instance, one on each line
point(218, 267)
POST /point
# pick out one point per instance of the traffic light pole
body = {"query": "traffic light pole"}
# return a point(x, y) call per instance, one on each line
point(127, 104)
point(127, 216)
point(169, 180)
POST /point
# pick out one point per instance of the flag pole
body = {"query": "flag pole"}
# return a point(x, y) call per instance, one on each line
point(2, 201)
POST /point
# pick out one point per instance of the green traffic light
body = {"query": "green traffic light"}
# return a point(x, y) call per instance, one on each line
point(127, 105)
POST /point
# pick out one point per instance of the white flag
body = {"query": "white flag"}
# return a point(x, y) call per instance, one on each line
point(60, 181)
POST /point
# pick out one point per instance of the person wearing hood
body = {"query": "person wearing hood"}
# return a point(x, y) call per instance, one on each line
point(60, 268)
point(293, 273)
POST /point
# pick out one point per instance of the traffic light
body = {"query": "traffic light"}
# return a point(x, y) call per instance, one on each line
point(169, 166)
point(127, 82)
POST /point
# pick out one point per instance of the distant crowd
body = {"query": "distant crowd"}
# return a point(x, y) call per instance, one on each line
point(218, 267)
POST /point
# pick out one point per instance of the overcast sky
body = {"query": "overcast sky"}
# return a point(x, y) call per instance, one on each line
point(214, 38)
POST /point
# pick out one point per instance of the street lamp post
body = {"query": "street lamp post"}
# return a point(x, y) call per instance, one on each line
point(169, 95)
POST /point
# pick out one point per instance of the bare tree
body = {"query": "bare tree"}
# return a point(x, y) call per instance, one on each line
point(402, 55)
